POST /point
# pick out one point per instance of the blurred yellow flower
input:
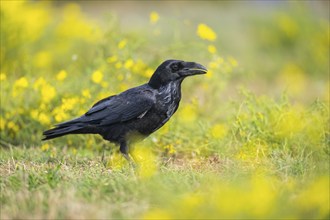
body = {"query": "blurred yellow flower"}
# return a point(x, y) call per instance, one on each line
point(48, 92)
point(112, 59)
point(188, 113)
point(59, 114)
point(43, 59)
point(208, 75)
point(43, 119)
point(104, 84)
point(86, 93)
point(3, 76)
point(31, 19)
point(288, 122)
point(61, 75)
point(213, 65)
point(40, 116)
point(233, 61)
point(288, 25)
point(21, 83)
point(2, 123)
point(315, 197)
point(212, 49)
point(12, 126)
point(118, 65)
point(69, 103)
point(219, 131)
point(122, 44)
point(128, 63)
point(45, 147)
point(97, 77)
point(74, 25)
point(154, 17)
point(40, 82)
point(148, 73)
point(206, 33)
point(157, 214)
point(117, 161)
point(169, 149)
point(146, 160)
point(292, 78)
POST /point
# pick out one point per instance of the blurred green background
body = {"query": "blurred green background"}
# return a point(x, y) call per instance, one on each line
point(255, 128)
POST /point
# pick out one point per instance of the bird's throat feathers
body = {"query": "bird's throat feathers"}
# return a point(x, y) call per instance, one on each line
point(157, 82)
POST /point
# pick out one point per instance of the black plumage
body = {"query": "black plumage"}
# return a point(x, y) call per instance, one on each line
point(136, 112)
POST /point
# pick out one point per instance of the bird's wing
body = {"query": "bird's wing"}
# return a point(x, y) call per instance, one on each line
point(121, 108)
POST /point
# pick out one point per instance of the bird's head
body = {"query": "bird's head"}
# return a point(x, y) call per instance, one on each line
point(175, 70)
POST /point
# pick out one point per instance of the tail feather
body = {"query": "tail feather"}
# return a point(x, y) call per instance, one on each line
point(70, 127)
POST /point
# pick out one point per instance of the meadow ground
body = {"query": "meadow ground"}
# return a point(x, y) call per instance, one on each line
point(250, 138)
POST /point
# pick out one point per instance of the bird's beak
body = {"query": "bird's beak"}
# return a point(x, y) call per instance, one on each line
point(192, 68)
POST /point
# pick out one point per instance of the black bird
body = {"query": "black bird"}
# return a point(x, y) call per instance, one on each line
point(135, 112)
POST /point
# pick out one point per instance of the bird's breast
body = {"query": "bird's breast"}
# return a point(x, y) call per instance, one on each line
point(167, 102)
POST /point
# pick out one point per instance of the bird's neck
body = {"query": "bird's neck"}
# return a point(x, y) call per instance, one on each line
point(173, 87)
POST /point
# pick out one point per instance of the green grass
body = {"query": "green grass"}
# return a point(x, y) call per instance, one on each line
point(35, 184)
point(249, 140)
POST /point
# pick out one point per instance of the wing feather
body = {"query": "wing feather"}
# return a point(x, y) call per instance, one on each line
point(120, 108)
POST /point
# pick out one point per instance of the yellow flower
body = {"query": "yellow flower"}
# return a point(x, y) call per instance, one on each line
point(61, 75)
point(2, 123)
point(69, 103)
point(12, 126)
point(157, 214)
point(154, 17)
point(129, 63)
point(213, 65)
point(3, 77)
point(148, 73)
point(122, 44)
point(48, 92)
point(206, 33)
point(315, 197)
point(112, 59)
point(21, 83)
point(40, 82)
point(86, 93)
point(104, 84)
point(208, 75)
point(41, 117)
point(288, 25)
point(118, 65)
point(43, 59)
point(59, 114)
point(293, 79)
point(44, 147)
point(212, 49)
point(75, 25)
point(169, 149)
point(188, 113)
point(145, 158)
point(97, 77)
point(232, 61)
point(30, 19)
point(219, 131)
point(289, 122)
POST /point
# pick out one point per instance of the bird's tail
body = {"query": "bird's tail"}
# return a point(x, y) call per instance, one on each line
point(69, 127)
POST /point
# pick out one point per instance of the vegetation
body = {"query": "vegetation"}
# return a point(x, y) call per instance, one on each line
point(250, 138)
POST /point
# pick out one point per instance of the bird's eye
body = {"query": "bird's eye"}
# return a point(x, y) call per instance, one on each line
point(175, 67)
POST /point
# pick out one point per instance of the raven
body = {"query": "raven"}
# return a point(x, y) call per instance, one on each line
point(138, 111)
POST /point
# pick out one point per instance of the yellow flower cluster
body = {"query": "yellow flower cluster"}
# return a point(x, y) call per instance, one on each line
point(47, 91)
point(256, 199)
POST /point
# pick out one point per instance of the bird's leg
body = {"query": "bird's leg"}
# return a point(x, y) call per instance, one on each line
point(125, 152)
